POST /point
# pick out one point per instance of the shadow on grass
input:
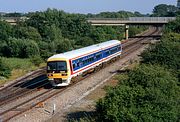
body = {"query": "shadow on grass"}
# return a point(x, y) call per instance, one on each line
point(79, 116)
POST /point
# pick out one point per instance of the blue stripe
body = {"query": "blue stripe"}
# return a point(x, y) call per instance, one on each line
point(89, 59)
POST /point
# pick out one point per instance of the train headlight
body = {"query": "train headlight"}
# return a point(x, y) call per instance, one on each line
point(50, 75)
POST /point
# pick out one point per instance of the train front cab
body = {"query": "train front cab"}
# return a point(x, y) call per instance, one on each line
point(58, 72)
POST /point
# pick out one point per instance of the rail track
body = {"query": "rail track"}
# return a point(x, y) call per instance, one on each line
point(16, 98)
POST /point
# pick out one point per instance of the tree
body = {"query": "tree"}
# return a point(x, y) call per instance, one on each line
point(119, 14)
point(84, 41)
point(164, 10)
point(15, 14)
point(5, 71)
point(138, 14)
point(5, 30)
point(36, 60)
point(46, 49)
point(52, 33)
point(27, 33)
point(149, 93)
point(64, 45)
point(31, 48)
point(22, 48)
point(173, 26)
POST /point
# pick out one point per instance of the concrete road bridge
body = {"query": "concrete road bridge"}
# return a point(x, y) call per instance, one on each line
point(156, 21)
point(131, 21)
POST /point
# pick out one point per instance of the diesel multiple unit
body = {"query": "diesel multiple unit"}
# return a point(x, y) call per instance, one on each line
point(61, 68)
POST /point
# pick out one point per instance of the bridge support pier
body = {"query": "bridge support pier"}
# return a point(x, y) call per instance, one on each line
point(126, 32)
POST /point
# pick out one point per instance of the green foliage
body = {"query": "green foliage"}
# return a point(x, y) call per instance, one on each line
point(5, 30)
point(119, 14)
point(22, 48)
point(71, 26)
point(2, 47)
point(150, 93)
point(133, 30)
point(53, 25)
point(163, 10)
point(64, 45)
point(36, 60)
point(52, 31)
point(173, 26)
point(18, 63)
point(46, 49)
point(31, 48)
point(84, 41)
point(5, 71)
point(27, 33)
point(15, 14)
point(103, 33)
point(165, 53)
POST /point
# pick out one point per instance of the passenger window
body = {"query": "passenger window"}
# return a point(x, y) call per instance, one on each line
point(78, 64)
point(84, 62)
point(98, 56)
point(74, 66)
point(107, 52)
point(114, 50)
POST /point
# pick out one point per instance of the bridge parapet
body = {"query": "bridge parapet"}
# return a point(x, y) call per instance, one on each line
point(130, 20)
point(160, 19)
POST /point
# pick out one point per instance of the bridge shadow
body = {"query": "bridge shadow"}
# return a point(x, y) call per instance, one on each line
point(151, 36)
point(79, 115)
point(37, 82)
point(120, 71)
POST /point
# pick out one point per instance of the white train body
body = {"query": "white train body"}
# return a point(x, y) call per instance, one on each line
point(61, 68)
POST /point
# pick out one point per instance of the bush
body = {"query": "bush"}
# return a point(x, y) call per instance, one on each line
point(5, 71)
point(21, 48)
point(31, 48)
point(27, 33)
point(64, 45)
point(150, 93)
point(165, 53)
point(36, 60)
point(5, 30)
point(173, 26)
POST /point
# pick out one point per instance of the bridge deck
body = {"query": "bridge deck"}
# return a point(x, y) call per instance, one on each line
point(130, 20)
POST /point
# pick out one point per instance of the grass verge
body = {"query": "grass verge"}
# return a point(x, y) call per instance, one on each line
point(19, 68)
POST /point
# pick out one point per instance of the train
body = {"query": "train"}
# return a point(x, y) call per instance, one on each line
point(64, 67)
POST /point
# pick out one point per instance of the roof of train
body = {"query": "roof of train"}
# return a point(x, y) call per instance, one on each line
point(82, 51)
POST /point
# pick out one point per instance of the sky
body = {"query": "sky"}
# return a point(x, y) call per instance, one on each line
point(82, 6)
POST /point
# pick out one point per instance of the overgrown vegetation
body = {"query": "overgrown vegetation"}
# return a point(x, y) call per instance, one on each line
point(166, 52)
point(150, 93)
